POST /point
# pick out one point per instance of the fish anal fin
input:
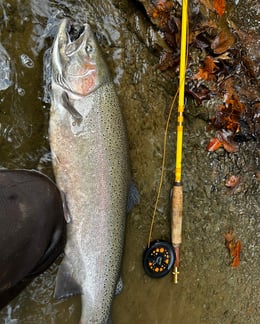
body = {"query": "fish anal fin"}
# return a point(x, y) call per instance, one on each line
point(66, 285)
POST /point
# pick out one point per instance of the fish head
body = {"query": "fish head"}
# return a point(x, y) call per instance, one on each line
point(77, 63)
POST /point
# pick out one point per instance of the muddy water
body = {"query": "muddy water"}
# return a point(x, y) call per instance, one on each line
point(209, 290)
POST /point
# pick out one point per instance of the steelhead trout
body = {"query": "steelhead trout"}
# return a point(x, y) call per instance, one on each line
point(90, 162)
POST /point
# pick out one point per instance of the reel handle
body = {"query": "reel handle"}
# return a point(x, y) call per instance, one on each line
point(176, 215)
point(176, 225)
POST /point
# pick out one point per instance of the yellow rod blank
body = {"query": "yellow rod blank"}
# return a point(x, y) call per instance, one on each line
point(177, 196)
point(178, 169)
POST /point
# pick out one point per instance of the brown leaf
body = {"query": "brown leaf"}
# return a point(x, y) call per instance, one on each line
point(234, 248)
point(199, 94)
point(228, 115)
point(207, 72)
point(225, 137)
point(210, 66)
point(229, 236)
point(236, 255)
point(214, 144)
point(202, 74)
point(219, 6)
point(222, 42)
point(232, 181)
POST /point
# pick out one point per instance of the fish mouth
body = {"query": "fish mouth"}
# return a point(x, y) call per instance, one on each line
point(74, 31)
point(77, 37)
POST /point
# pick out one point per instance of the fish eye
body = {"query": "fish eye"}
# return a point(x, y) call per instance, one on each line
point(89, 48)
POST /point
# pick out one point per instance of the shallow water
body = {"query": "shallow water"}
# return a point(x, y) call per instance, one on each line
point(209, 290)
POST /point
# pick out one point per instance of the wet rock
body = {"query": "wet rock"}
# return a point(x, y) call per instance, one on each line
point(5, 69)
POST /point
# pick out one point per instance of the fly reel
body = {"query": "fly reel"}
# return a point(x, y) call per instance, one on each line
point(158, 259)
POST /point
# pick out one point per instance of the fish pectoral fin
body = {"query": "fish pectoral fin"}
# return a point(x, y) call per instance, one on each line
point(66, 285)
point(133, 197)
point(68, 105)
point(55, 247)
point(119, 286)
point(65, 206)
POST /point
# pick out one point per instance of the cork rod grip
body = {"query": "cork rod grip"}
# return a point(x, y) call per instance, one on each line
point(176, 222)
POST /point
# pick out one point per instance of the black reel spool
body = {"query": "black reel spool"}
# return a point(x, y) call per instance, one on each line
point(158, 259)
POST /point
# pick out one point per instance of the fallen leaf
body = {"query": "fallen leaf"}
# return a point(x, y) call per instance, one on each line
point(229, 236)
point(202, 74)
point(213, 145)
point(199, 94)
point(228, 115)
point(234, 248)
point(223, 138)
point(222, 42)
point(226, 138)
point(219, 6)
point(236, 255)
point(230, 148)
point(210, 66)
point(158, 11)
point(232, 181)
point(208, 71)
point(235, 263)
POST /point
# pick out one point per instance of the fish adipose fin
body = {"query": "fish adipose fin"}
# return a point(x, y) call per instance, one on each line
point(65, 283)
point(68, 105)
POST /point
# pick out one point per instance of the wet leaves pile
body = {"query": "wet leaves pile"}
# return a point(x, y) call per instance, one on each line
point(222, 67)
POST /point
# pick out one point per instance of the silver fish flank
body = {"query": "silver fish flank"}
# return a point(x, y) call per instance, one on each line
point(90, 161)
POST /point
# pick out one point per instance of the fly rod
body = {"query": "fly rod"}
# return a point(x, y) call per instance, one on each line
point(161, 256)
point(177, 192)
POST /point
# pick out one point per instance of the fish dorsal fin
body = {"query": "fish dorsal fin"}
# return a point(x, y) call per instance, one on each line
point(66, 285)
point(69, 107)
